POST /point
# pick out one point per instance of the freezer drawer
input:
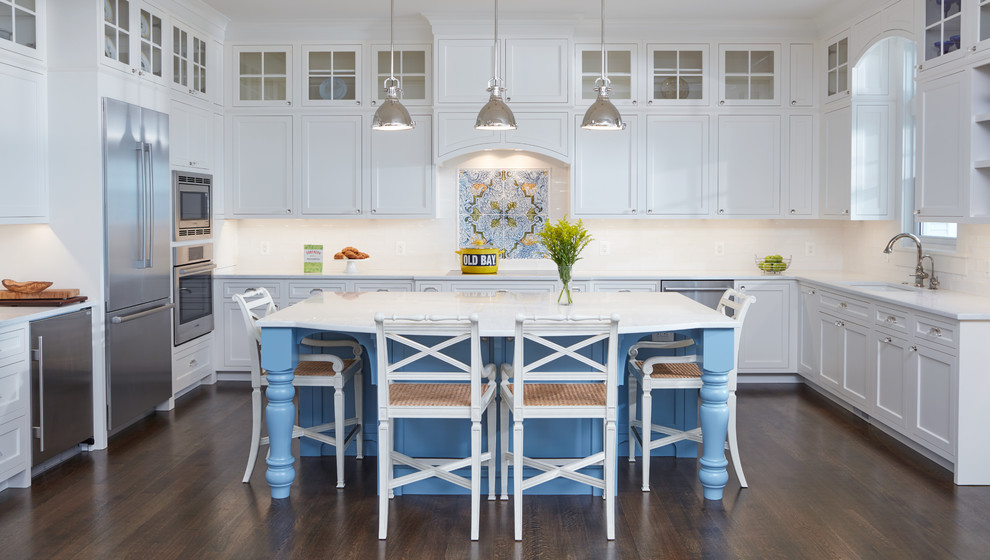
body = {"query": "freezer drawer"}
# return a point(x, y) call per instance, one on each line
point(61, 383)
point(139, 361)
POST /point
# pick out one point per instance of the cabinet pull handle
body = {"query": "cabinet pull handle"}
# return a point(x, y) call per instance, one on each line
point(935, 331)
point(192, 362)
point(39, 430)
point(315, 291)
point(891, 319)
point(888, 339)
point(382, 290)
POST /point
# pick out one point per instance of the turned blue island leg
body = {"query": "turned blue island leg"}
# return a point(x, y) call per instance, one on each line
point(279, 357)
point(718, 360)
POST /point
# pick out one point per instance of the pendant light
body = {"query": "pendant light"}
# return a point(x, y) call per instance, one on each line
point(602, 115)
point(495, 115)
point(391, 115)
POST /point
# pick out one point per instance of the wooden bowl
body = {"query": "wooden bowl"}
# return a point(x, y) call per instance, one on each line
point(25, 287)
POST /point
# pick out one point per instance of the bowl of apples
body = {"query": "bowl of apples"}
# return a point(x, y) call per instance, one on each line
point(772, 264)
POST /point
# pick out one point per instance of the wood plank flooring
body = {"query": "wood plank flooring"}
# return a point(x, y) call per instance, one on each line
point(823, 484)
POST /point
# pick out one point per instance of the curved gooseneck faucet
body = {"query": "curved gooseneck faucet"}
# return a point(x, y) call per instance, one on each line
point(919, 269)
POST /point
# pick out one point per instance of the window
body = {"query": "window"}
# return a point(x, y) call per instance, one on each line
point(940, 235)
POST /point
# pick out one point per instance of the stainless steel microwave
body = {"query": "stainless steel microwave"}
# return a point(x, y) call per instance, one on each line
point(193, 205)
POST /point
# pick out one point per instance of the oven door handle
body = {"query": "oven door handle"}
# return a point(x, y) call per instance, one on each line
point(199, 269)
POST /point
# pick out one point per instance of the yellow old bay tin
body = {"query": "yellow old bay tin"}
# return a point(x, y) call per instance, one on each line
point(478, 260)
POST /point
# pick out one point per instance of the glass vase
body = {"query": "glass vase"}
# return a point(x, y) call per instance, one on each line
point(565, 278)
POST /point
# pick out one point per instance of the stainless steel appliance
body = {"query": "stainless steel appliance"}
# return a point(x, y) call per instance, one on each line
point(61, 383)
point(192, 283)
point(137, 209)
point(193, 205)
point(708, 292)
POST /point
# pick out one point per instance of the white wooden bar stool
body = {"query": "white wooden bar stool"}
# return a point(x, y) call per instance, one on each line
point(668, 371)
point(422, 374)
point(315, 369)
point(585, 387)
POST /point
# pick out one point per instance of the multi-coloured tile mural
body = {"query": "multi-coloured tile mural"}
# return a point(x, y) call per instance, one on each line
point(503, 208)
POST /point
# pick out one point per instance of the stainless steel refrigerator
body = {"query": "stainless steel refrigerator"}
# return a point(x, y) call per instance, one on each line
point(137, 197)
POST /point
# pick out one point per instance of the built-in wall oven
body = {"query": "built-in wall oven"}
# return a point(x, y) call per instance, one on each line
point(193, 205)
point(192, 291)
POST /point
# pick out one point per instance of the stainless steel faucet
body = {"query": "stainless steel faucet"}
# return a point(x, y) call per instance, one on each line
point(919, 269)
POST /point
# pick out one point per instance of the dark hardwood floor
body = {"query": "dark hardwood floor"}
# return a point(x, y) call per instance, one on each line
point(823, 484)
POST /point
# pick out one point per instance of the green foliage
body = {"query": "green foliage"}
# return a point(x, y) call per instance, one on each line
point(564, 241)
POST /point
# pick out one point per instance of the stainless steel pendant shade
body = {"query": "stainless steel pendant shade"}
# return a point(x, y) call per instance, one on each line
point(495, 115)
point(391, 115)
point(602, 115)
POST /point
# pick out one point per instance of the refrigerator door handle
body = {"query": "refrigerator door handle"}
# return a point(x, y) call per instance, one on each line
point(149, 177)
point(39, 431)
point(142, 208)
point(117, 320)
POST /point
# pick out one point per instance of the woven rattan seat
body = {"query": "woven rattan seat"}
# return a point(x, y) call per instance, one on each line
point(673, 371)
point(564, 394)
point(432, 394)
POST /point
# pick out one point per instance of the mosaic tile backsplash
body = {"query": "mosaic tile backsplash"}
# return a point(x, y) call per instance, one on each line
point(504, 208)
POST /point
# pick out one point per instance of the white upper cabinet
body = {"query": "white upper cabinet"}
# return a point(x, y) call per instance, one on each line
point(983, 35)
point(802, 75)
point(536, 70)
point(606, 170)
point(837, 69)
point(622, 68)
point(801, 163)
point(412, 68)
point(749, 74)
point(22, 26)
point(943, 147)
point(332, 165)
point(679, 74)
point(261, 154)
point(944, 30)
point(193, 62)
point(464, 68)
point(333, 75)
point(402, 172)
point(190, 136)
point(677, 165)
point(836, 190)
point(24, 188)
point(749, 165)
point(134, 38)
point(533, 70)
point(263, 75)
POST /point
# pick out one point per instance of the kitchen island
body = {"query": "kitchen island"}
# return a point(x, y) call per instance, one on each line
point(353, 314)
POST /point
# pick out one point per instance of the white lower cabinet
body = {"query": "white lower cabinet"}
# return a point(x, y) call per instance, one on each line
point(892, 394)
point(767, 336)
point(15, 417)
point(809, 332)
point(934, 393)
point(845, 365)
point(192, 363)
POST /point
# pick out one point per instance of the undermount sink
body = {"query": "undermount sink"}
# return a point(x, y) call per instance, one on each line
point(882, 286)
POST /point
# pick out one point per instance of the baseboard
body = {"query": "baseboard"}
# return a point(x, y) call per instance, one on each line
point(744, 378)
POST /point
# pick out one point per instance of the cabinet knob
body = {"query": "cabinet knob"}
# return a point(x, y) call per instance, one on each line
point(813, 292)
point(192, 92)
point(887, 339)
point(845, 212)
point(192, 362)
point(288, 103)
point(840, 324)
point(650, 211)
point(914, 348)
point(133, 70)
point(722, 102)
point(357, 210)
point(633, 210)
point(634, 102)
point(721, 211)
point(917, 212)
point(973, 48)
point(935, 331)
point(891, 319)
point(793, 211)
point(373, 103)
point(358, 102)
point(793, 102)
point(288, 210)
point(507, 99)
point(843, 305)
point(650, 102)
point(373, 210)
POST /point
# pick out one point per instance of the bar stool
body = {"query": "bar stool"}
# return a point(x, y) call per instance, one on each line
point(422, 374)
point(678, 372)
point(584, 388)
point(315, 369)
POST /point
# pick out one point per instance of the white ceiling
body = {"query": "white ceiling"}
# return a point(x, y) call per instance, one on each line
point(300, 10)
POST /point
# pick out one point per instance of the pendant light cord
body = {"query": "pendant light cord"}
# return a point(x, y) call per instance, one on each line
point(495, 50)
point(391, 40)
point(603, 41)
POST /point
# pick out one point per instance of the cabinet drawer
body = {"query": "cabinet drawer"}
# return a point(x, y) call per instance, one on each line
point(13, 344)
point(192, 365)
point(843, 305)
point(13, 455)
point(308, 289)
point(933, 330)
point(383, 286)
point(626, 286)
point(13, 388)
point(894, 319)
point(231, 288)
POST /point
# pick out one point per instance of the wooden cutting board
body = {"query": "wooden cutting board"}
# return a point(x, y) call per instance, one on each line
point(44, 294)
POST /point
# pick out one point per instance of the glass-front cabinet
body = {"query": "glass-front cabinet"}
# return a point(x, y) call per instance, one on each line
point(412, 69)
point(190, 63)
point(943, 27)
point(748, 75)
point(984, 20)
point(263, 75)
point(134, 38)
point(19, 24)
point(837, 64)
point(332, 75)
point(677, 74)
point(621, 69)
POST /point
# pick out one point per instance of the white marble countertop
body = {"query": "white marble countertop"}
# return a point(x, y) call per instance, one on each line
point(14, 315)
point(638, 312)
point(955, 305)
